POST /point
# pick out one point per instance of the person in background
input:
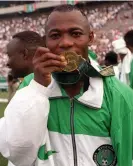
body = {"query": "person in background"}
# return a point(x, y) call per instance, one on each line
point(21, 50)
point(111, 58)
point(125, 60)
point(128, 37)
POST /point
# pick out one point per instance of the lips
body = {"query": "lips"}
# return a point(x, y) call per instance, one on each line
point(61, 52)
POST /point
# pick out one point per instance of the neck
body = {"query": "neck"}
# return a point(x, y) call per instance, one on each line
point(29, 71)
point(73, 90)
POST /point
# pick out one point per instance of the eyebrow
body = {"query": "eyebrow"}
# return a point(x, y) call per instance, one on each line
point(59, 30)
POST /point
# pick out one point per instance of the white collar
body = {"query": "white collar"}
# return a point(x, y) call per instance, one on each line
point(93, 97)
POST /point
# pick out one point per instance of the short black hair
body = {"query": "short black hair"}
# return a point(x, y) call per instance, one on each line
point(30, 39)
point(66, 8)
point(112, 58)
point(128, 37)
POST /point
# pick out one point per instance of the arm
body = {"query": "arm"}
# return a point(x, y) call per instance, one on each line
point(122, 127)
point(24, 125)
point(123, 142)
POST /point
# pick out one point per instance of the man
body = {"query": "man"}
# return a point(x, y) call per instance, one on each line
point(125, 60)
point(63, 124)
point(128, 37)
point(21, 50)
point(111, 58)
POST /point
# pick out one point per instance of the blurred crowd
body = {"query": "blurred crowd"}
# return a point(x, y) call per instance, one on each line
point(110, 23)
point(105, 20)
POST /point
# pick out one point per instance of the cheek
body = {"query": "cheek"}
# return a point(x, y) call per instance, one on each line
point(82, 44)
point(52, 44)
point(82, 41)
point(15, 62)
point(79, 44)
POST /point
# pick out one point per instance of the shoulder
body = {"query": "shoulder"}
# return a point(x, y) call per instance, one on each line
point(29, 77)
point(119, 91)
point(26, 81)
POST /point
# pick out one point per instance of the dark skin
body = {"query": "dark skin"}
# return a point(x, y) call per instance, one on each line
point(20, 60)
point(130, 48)
point(65, 31)
point(122, 56)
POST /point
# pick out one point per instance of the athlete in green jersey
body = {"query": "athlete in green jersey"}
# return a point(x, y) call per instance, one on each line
point(86, 122)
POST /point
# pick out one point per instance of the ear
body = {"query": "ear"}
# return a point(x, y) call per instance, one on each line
point(91, 38)
point(25, 54)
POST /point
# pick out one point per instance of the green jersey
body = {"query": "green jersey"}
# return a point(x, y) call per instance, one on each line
point(93, 128)
point(99, 135)
point(26, 81)
point(97, 130)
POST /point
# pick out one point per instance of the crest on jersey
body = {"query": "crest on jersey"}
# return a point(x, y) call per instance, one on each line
point(105, 156)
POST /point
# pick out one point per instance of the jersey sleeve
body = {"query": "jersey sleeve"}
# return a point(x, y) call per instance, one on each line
point(122, 127)
point(24, 125)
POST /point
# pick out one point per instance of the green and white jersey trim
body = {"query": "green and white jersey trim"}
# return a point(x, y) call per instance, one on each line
point(87, 151)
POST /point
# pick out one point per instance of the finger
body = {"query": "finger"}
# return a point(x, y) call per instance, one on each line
point(53, 63)
point(40, 51)
point(48, 56)
point(62, 58)
point(49, 69)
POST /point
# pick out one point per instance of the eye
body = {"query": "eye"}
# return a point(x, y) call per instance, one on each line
point(55, 36)
point(77, 34)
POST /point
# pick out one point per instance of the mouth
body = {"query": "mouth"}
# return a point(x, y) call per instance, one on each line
point(74, 51)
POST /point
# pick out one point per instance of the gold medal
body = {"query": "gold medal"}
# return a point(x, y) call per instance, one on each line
point(73, 61)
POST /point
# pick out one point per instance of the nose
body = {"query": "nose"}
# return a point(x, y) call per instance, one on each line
point(66, 42)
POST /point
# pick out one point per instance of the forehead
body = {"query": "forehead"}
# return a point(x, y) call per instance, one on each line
point(65, 20)
point(15, 45)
